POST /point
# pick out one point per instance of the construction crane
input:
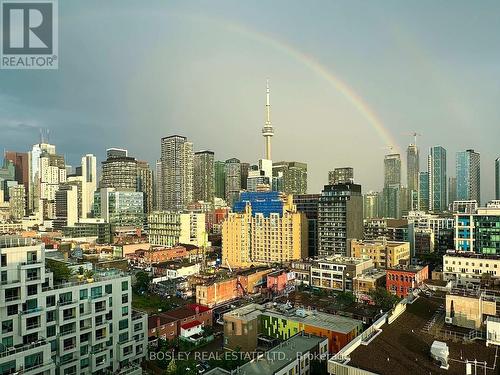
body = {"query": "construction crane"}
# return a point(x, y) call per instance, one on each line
point(415, 135)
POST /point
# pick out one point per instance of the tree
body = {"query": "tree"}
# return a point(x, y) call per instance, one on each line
point(142, 281)
point(346, 298)
point(60, 271)
point(382, 298)
point(172, 368)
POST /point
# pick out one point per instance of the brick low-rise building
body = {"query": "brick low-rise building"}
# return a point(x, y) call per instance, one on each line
point(402, 280)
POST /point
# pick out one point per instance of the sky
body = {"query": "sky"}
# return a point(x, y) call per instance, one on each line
point(349, 79)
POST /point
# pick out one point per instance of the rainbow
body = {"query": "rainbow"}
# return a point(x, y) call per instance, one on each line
point(319, 69)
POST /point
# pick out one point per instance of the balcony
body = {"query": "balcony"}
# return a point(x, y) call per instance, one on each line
point(35, 310)
point(18, 350)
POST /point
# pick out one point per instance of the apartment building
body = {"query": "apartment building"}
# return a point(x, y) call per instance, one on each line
point(402, 280)
point(464, 267)
point(81, 327)
point(171, 228)
point(383, 253)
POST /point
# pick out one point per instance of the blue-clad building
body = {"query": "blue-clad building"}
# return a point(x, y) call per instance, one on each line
point(264, 203)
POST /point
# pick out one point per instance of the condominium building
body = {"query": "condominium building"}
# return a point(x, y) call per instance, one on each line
point(145, 185)
point(290, 177)
point(383, 253)
point(437, 179)
point(344, 175)
point(81, 327)
point(232, 172)
point(340, 218)
point(89, 183)
point(264, 228)
point(177, 172)
point(203, 176)
point(120, 208)
point(220, 179)
point(308, 204)
point(17, 202)
point(468, 175)
point(171, 228)
point(478, 232)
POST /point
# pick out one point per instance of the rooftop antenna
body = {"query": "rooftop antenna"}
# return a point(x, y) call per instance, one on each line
point(415, 135)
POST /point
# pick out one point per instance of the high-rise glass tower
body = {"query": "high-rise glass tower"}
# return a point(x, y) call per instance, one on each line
point(392, 186)
point(412, 170)
point(89, 183)
point(177, 172)
point(437, 179)
point(344, 175)
point(203, 185)
point(423, 194)
point(468, 175)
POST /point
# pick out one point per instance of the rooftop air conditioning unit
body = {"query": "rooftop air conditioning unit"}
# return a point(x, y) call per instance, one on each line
point(448, 320)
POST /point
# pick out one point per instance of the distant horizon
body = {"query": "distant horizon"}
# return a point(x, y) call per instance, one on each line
point(347, 81)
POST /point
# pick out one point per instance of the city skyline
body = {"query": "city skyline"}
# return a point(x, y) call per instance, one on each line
point(312, 88)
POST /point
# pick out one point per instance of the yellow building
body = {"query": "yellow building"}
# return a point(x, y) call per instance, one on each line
point(264, 231)
point(385, 254)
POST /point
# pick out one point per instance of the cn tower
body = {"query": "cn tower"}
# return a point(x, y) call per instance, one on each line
point(267, 130)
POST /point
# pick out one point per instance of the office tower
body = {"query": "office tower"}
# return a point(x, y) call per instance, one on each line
point(22, 163)
point(145, 184)
point(340, 218)
point(203, 176)
point(497, 178)
point(423, 195)
point(220, 179)
point(245, 167)
point(17, 202)
point(260, 176)
point(7, 178)
point(158, 180)
point(123, 209)
point(263, 229)
point(66, 207)
point(177, 172)
point(267, 130)
point(290, 177)
point(308, 204)
point(232, 171)
point(343, 175)
point(468, 176)
point(371, 205)
point(412, 170)
point(119, 171)
point(437, 179)
point(89, 183)
point(76, 180)
point(51, 327)
point(452, 189)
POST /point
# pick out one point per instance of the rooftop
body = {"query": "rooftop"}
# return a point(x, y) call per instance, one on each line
point(288, 351)
point(404, 348)
point(407, 268)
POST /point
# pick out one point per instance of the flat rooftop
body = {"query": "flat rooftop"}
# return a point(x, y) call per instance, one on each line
point(336, 323)
point(281, 355)
point(248, 312)
point(403, 348)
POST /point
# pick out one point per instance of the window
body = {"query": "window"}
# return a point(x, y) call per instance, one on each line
point(96, 292)
point(124, 310)
point(123, 324)
point(124, 286)
point(32, 290)
point(50, 301)
point(109, 289)
point(124, 298)
point(51, 331)
point(7, 326)
point(3, 261)
point(84, 294)
point(8, 341)
point(51, 316)
point(12, 310)
point(65, 297)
